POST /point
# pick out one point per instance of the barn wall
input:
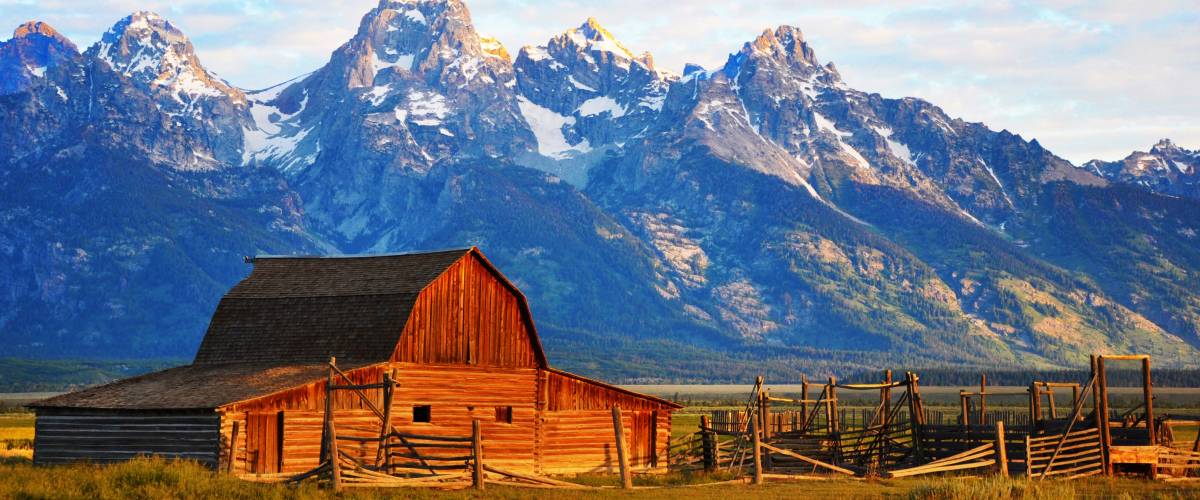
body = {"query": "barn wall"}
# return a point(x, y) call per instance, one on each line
point(578, 427)
point(468, 316)
point(456, 394)
point(63, 436)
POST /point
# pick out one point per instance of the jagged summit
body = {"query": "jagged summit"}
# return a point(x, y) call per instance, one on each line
point(35, 48)
point(786, 42)
point(33, 28)
point(155, 54)
point(1164, 146)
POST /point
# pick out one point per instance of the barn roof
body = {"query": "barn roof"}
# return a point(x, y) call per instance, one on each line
point(193, 387)
point(306, 309)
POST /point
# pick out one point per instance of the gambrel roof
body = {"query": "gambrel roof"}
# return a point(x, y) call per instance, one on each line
point(306, 309)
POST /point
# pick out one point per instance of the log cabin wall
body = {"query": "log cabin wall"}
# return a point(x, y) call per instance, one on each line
point(66, 435)
point(455, 395)
point(470, 316)
point(578, 434)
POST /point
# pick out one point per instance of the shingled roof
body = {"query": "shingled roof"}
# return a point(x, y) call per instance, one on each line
point(293, 310)
point(193, 387)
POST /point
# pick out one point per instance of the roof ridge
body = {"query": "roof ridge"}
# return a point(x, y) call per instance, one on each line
point(360, 256)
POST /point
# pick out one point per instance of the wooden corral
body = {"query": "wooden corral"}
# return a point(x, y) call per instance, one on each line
point(438, 345)
point(1075, 435)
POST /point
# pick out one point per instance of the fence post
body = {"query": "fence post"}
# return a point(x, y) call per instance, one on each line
point(982, 399)
point(758, 472)
point(622, 453)
point(1001, 449)
point(477, 452)
point(335, 466)
point(1148, 393)
point(706, 444)
point(1028, 459)
point(803, 402)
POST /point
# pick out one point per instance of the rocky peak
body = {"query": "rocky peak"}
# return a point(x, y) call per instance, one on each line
point(494, 48)
point(1164, 147)
point(32, 29)
point(432, 38)
point(785, 43)
point(156, 55)
point(34, 48)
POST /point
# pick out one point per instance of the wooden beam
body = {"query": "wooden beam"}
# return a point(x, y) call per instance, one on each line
point(758, 472)
point(1148, 393)
point(477, 455)
point(803, 458)
point(982, 399)
point(622, 452)
point(1001, 449)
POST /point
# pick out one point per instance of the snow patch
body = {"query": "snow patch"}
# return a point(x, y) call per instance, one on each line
point(578, 85)
point(898, 149)
point(547, 127)
point(598, 105)
point(38, 71)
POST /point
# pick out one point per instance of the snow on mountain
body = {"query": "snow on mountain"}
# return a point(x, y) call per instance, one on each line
point(1166, 168)
point(584, 93)
point(155, 54)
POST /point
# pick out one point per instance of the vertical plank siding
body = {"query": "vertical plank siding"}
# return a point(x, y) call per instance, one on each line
point(468, 316)
point(62, 436)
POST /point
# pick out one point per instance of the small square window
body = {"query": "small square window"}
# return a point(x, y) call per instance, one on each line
point(504, 414)
point(422, 414)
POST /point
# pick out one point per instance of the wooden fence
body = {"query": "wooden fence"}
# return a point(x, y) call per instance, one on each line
point(1071, 455)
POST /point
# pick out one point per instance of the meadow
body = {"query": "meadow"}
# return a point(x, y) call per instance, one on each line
point(156, 478)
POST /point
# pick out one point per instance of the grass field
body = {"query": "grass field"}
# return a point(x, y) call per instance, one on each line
point(152, 478)
point(155, 478)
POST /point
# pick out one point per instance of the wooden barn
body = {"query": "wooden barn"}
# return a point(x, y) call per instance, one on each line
point(452, 336)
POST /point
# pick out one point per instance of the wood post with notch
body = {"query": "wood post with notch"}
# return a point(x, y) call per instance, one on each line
point(477, 478)
point(1148, 393)
point(758, 471)
point(982, 399)
point(622, 452)
point(1001, 449)
point(706, 444)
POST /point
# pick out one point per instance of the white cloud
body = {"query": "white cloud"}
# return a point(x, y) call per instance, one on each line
point(1088, 79)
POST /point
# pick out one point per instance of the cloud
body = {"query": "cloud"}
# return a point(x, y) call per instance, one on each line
point(1088, 79)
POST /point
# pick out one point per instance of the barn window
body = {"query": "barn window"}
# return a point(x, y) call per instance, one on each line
point(504, 414)
point(422, 414)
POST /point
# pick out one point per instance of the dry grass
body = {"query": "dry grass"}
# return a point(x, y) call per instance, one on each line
point(156, 478)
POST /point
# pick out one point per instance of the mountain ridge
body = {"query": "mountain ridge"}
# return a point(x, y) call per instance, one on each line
point(764, 206)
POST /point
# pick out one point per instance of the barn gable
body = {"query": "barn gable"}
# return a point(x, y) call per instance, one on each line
point(471, 314)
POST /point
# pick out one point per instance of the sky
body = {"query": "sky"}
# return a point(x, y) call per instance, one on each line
point(1086, 79)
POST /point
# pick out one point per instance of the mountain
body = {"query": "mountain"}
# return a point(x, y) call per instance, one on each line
point(584, 94)
point(691, 227)
point(113, 242)
point(1166, 169)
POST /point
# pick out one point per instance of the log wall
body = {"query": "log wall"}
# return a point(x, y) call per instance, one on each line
point(62, 436)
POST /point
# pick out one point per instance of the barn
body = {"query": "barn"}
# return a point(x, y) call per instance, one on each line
point(453, 337)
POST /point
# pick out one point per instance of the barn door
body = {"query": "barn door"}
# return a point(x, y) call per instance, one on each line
point(641, 440)
point(264, 442)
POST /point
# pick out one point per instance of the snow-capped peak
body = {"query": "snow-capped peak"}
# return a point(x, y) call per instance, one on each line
point(155, 54)
point(592, 36)
point(785, 43)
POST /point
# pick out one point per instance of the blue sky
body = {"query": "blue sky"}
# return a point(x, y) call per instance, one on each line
point(1087, 79)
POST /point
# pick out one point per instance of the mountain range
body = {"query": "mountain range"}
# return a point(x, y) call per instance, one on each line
point(702, 225)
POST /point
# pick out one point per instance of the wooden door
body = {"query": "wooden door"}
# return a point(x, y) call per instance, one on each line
point(264, 442)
